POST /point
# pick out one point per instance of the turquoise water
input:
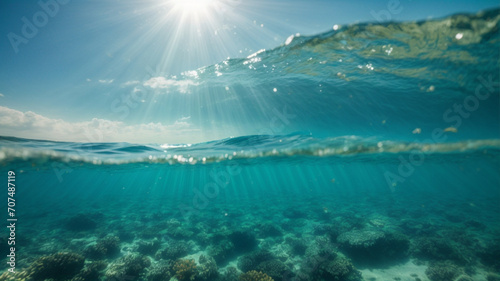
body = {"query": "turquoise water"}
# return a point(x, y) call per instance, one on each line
point(376, 158)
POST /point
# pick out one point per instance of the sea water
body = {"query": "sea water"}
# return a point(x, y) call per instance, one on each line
point(372, 154)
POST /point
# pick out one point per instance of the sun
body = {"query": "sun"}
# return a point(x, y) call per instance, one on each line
point(188, 7)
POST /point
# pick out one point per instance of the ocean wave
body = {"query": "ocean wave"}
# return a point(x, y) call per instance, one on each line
point(15, 150)
point(402, 49)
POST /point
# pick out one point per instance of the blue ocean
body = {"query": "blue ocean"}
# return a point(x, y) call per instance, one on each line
point(373, 154)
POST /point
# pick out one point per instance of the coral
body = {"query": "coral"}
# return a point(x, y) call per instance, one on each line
point(255, 276)
point(373, 246)
point(243, 241)
point(294, 213)
point(22, 275)
point(282, 251)
point(148, 247)
point(160, 271)
point(226, 244)
point(337, 269)
point(180, 233)
point(360, 238)
point(231, 274)
point(326, 266)
point(105, 248)
point(461, 237)
point(442, 271)
point(135, 264)
point(251, 261)
point(174, 250)
point(263, 261)
point(125, 235)
point(475, 224)
point(436, 249)
point(91, 271)
point(270, 230)
point(298, 245)
point(129, 266)
point(60, 266)
point(150, 233)
point(321, 246)
point(415, 227)
point(352, 220)
point(185, 270)
point(207, 270)
point(322, 229)
point(222, 251)
point(174, 229)
point(274, 268)
point(203, 239)
point(290, 225)
point(490, 256)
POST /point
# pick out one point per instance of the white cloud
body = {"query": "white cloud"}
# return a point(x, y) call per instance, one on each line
point(162, 83)
point(130, 83)
point(35, 126)
point(1, 95)
point(108, 81)
point(88, 80)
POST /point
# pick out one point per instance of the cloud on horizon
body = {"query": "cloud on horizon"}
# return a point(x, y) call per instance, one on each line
point(162, 83)
point(129, 83)
point(35, 126)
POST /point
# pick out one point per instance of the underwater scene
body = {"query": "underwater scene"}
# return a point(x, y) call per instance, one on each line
point(373, 155)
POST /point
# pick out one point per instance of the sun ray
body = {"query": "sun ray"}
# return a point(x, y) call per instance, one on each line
point(193, 6)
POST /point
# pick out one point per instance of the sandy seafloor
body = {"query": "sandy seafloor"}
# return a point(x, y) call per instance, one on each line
point(349, 237)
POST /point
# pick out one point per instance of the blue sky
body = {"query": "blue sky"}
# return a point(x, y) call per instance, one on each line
point(68, 67)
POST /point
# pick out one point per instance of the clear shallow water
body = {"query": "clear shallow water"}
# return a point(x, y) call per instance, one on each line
point(386, 177)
